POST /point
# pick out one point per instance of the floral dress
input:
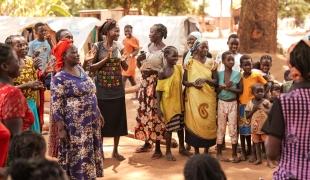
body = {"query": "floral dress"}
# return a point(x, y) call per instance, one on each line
point(28, 74)
point(74, 103)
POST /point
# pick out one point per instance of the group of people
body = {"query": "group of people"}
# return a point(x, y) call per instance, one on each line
point(198, 98)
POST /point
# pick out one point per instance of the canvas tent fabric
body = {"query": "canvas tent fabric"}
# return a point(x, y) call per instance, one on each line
point(81, 27)
point(179, 27)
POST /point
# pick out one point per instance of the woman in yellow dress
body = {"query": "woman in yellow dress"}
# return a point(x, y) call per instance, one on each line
point(200, 99)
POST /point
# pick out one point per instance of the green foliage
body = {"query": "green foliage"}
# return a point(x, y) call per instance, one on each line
point(33, 8)
point(294, 8)
point(150, 7)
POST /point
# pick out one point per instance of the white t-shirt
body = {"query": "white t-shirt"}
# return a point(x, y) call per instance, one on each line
point(221, 66)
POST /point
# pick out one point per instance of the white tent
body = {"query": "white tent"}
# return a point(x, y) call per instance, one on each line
point(82, 28)
point(178, 28)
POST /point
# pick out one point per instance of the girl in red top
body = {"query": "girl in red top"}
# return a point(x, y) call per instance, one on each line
point(15, 115)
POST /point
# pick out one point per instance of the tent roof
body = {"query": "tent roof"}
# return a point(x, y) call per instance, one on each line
point(177, 30)
point(80, 27)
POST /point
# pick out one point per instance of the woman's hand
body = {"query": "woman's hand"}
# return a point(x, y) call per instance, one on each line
point(90, 55)
point(141, 57)
point(34, 85)
point(199, 82)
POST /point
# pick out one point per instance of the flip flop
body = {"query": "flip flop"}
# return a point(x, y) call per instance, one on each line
point(144, 148)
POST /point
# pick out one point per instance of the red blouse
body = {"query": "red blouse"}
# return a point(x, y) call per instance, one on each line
point(13, 104)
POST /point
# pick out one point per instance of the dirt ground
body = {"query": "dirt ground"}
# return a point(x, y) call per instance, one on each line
point(140, 166)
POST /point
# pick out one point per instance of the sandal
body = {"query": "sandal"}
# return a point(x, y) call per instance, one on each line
point(144, 148)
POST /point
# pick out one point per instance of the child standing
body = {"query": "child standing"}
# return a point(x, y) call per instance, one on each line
point(249, 78)
point(257, 110)
point(233, 45)
point(230, 87)
point(131, 49)
point(170, 106)
point(41, 48)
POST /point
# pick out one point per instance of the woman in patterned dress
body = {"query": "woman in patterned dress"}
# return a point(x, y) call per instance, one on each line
point(74, 110)
point(108, 66)
point(200, 99)
point(27, 81)
point(150, 127)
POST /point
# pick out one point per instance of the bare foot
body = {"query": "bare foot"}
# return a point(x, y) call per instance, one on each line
point(270, 165)
point(184, 152)
point(252, 159)
point(242, 157)
point(144, 148)
point(219, 157)
point(118, 157)
point(157, 155)
point(235, 159)
point(257, 162)
point(170, 157)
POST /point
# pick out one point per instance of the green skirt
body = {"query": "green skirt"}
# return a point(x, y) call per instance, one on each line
point(33, 107)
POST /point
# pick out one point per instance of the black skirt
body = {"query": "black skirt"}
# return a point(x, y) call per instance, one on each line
point(114, 114)
point(195, 141)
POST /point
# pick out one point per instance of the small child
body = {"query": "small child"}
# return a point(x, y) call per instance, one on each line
point(27, 145)
point(131, 49)
point(265, 64)
point(288, 82)
point(170, 106)
point(257, 110)
point(263, 67)
point(230, 88)
point(275, 91)
point(203, 166)
point(249, 78)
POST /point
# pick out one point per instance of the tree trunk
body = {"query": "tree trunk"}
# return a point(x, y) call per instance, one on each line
point(258, 26)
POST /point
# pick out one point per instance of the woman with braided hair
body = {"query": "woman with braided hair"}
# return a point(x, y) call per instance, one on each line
point(108, 66)
point(150, 127)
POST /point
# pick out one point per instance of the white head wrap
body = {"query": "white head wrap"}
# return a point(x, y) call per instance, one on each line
point(198, 37)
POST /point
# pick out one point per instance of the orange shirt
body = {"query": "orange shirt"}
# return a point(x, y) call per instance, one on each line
point(248, 82)
point(130, 45)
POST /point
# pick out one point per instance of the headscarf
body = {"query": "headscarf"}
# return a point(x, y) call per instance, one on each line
point(198, 37)
point(61, 47)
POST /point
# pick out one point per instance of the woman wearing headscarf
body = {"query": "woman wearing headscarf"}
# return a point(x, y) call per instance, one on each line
point(200, 99)
point(192, 40)
point(150, 127)
point(74, 110)
point(108, 65)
